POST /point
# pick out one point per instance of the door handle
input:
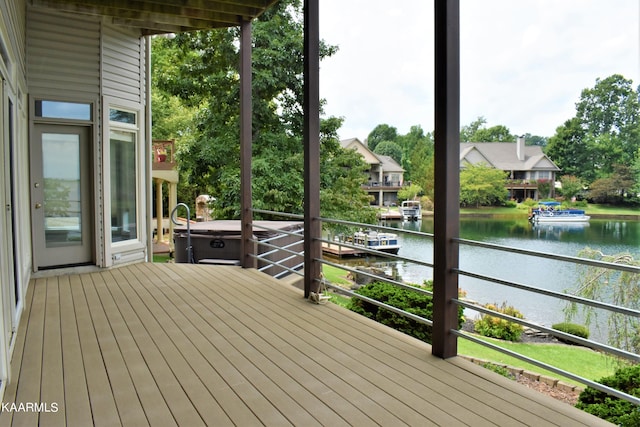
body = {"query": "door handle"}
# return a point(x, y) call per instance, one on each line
point(38, 205)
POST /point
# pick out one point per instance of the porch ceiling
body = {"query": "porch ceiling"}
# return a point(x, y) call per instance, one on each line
point(165, 16)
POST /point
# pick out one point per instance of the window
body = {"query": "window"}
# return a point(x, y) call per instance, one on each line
point(544, 175)
point(63, 110)
point(122, 116)
point(124, 184)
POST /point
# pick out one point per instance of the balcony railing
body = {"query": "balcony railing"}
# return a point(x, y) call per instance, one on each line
point(521, 183)
point(164, 155)
point(388, 185)
point(611, 308)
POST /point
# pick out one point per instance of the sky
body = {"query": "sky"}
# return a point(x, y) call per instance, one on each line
point(524, 63)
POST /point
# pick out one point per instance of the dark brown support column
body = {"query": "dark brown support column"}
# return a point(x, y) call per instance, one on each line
point(312, 226)
point(247, 248)
point(447, 176)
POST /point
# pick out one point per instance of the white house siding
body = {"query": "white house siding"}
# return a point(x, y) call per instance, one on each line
point(85, 59)
point(14, 250)
point(123, 85)
point(123, 65)
point(63, 56)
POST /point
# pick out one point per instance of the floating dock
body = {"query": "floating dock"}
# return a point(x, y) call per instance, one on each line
point(340, 251)
point(390, 215)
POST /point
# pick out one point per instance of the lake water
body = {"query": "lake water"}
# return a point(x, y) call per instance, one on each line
point(609, 236)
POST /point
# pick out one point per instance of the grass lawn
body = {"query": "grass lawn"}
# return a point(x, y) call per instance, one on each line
point(575, 359)
point(161, 258)
point(336, 275)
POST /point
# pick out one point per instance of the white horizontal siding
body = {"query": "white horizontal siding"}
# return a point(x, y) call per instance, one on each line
point(13, 35)
point(63, 55)
point(122, 64)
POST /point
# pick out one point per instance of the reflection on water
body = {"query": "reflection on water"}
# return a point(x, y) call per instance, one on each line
point(608, 236)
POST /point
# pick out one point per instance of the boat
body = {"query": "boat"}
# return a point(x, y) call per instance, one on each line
point(379, 241)
point(411, 210)
point(553, 212)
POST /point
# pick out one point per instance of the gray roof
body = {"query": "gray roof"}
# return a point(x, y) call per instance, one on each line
point(389, 164)
point(503, 155)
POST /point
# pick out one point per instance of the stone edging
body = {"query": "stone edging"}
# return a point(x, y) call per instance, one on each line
point(552, 382)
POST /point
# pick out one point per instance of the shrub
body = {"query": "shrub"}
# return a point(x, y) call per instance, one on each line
point(530, 203)
point(511, 204)
point(571, 328)
point(426, 203)
point(495, 327)
point(610, 408)
point(413, 302)
point(498, 370)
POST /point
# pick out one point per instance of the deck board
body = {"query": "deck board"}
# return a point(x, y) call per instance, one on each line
point(188, 345)
point(77, 406)
point(52, 369)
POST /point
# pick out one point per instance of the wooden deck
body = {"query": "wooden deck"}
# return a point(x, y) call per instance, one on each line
point(189, 345)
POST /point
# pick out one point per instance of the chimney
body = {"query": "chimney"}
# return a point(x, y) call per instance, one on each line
point(520, 148)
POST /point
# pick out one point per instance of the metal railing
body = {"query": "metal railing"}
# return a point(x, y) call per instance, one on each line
point(617, 352)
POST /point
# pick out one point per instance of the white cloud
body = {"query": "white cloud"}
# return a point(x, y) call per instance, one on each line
point(523, 64)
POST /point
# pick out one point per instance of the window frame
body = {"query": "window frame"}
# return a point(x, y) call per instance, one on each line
point(117, 251)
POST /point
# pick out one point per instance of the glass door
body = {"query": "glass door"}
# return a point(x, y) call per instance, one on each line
point(61, 196)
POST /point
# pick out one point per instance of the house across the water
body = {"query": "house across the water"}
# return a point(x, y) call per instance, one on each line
point(526, 165)
point(385, 175)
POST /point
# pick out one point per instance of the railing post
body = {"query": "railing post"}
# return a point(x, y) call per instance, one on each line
point(447, 176)
point(312, 226)
point(247, 248)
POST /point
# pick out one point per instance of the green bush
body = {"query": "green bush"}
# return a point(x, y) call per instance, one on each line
point(511, 204)
point(413, 302)
point(495, 327)
point(498, 370)
point(571, 328)
point(610, 408)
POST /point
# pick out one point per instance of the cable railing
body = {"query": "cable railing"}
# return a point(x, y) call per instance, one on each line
point(614, 351)
point(271, 260)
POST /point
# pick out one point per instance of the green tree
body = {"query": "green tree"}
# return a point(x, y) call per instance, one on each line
point(567, 148)
point(635, 169)
point(540, 141)
point(617, 188)
point(342, 174)
point(482, 185)
point(571, 186)
point(497, 133)
point(417, 149)
point(423, 169)
point(391, 149)
point(476, 131)
point(409, 192)
point(468, 131)
point(619, 288)
point(604, 132)
point(200, 70)
point(382, 132)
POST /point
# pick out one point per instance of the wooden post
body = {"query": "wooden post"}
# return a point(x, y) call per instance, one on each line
point(247, 248)
point(159, 226)
point(312, 226)
point(447, 176)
